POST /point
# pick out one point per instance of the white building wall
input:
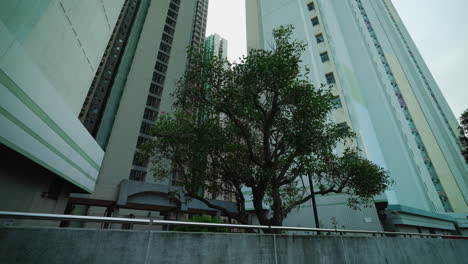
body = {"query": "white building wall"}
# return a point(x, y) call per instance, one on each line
point(369, 102)
point(49, 51)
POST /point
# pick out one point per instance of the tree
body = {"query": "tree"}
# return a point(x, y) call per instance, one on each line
point(464, 134)
point(264, 127)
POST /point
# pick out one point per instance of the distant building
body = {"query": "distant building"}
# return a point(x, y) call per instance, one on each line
point(215, 45)
point(199, 23)
point(389, 98)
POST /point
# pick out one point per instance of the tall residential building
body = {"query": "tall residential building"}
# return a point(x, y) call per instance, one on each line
point(388, 97)
point(49, 53)
point(94, 107)
point(215, 45)
point(138, 86)
point(199, 23)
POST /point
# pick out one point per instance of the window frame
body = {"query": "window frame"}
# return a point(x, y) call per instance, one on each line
point(324, 55)
point(337, 102)
point(322, 38)
point(313, 21)
point(327, 75)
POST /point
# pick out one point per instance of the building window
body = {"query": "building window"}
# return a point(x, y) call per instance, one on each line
point(167, 38)
point(164, 47)
point(343, 125)
point(160, 67)
point(140, 160)
point(337, 102)
point(145, 128)
point(330, 78)
point(153, 101)
point(141, 141)
point(158, 78)
point(156, 89)
point(137, 175)
point(150, 114)
point(315, 21)
point(173, 7)
point(163, 57)
point(319, 38)
point(324, 56)
point(311, 6)
point(169, 30)
point(172, 14)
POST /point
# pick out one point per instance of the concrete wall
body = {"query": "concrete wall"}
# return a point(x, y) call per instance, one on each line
point(41, 245)
point(24, 186)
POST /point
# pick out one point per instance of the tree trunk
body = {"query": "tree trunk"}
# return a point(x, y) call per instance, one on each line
point(277, 208)
point(258, 205)
point(262, 213)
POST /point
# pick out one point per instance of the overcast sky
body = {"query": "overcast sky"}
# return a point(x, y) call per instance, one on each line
point(439, 28)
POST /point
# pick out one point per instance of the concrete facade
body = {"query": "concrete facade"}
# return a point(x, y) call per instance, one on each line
point(387, 94)
point(49, 52)
point(35, 245)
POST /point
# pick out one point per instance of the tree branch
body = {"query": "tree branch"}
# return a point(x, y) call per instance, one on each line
point(246, 137)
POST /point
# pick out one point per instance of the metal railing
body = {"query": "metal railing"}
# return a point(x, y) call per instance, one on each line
point(121, 220)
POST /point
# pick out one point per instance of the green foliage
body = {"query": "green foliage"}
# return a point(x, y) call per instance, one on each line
point(464, 134)
point(354, 175)
point(259, 124)
point(202, 219)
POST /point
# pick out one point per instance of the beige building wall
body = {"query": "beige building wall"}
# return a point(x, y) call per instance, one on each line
point(254, 25)
point(440, 164)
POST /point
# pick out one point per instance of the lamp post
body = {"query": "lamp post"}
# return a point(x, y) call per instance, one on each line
point(314, 204)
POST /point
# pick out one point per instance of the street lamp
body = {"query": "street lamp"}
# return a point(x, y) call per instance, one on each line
point(314, 204)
